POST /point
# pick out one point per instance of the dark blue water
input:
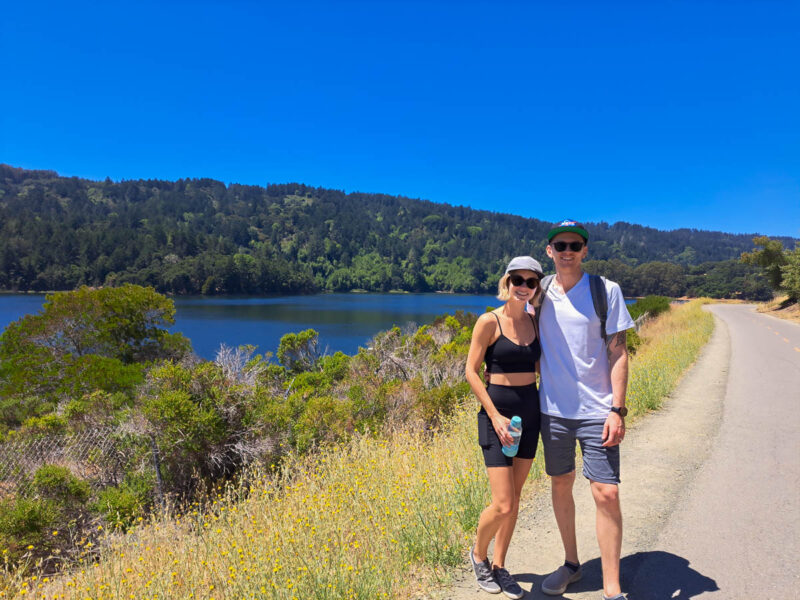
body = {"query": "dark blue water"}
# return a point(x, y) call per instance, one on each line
point(344, 321)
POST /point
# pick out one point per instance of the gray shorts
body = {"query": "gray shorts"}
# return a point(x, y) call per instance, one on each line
point(600, 464)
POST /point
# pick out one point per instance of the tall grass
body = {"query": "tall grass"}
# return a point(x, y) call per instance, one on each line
point(672, 343)
point(373, 518)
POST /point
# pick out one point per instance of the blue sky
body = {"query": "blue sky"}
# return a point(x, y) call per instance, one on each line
point(673, 114)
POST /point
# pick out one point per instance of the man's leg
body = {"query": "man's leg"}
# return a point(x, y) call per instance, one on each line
point(609, 533)
point(601, 468)
point(564, 510)
point(558, 439)
point(557, 582)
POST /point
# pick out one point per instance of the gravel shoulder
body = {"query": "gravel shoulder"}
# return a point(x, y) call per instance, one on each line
point(683, 485)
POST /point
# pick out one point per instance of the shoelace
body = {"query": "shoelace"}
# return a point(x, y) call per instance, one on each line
point(484, 572)
point(504, 578)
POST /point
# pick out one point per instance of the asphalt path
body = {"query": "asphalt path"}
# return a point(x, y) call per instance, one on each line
point(710, 484)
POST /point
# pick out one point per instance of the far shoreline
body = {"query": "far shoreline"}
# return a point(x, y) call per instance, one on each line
point(259, 295)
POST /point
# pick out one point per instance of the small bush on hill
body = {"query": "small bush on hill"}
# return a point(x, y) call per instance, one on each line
point(26, 526)
point(122, 505)
point(56, 483)
point(40, 524)
point(653, 305)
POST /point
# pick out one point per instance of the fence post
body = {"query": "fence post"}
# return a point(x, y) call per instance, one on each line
point(157, 465)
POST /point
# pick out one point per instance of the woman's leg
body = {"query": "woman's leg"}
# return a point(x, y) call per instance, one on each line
point(520, 469)
point(501, 482)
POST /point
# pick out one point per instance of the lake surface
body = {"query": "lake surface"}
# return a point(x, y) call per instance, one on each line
point(344, 321)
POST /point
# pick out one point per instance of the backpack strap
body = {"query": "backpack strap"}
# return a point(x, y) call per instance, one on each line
point(597, 286)
point(544, 284)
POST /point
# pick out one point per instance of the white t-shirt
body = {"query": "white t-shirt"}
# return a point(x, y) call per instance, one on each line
point(576, 379)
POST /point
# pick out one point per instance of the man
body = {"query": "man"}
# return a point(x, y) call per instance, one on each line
point(583, 383)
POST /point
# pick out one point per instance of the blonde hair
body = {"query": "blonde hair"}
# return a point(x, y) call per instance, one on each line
point(502, 288)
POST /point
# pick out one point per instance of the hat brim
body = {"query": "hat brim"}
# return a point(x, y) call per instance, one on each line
point(570, 229)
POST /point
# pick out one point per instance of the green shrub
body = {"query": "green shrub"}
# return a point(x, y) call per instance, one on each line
point(369, 404)
point(50, 423)
point(97, 408)
point(653, 305)
point(634, 340)
point(336, 366)
point(27, 525)
point(299, 351)
point(122, 505)
point(325, 419)
point(203, 420)
point(15, 410)
point(438, 402)
point(60, 485)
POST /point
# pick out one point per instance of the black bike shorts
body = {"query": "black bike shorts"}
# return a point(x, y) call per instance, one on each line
point(520, 400)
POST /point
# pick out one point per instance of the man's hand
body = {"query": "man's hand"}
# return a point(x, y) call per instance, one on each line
point(613, 430)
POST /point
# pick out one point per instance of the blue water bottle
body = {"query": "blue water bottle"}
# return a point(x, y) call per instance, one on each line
point(515, 431)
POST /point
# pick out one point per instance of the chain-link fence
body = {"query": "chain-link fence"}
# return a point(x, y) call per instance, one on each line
point(95, 455)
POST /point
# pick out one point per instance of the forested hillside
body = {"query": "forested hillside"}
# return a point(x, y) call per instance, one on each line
point(199, 236)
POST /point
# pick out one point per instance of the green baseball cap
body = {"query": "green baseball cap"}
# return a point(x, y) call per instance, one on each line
point(568, 225)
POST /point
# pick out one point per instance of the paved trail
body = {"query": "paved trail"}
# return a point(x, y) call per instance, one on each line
point(710, 484)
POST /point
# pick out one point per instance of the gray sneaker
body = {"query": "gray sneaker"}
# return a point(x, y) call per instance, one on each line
point(507, 584)
point(556, 583)
point(617, 597)
point(483, 573)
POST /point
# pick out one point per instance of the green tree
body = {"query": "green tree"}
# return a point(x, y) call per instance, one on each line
point(88, 339)
point(771, 258)
point(791, 274)
point(660, 278)
point(299, 352)
point(128, 323)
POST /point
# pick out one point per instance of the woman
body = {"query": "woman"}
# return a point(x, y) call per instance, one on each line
point(506, 339)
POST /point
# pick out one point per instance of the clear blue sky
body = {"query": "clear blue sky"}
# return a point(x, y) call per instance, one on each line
point(667, 114)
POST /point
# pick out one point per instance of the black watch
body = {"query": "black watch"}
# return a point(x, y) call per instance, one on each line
point(621, 411)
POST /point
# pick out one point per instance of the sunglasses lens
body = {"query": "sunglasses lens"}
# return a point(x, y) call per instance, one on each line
point(561, 246)
point(518, 280)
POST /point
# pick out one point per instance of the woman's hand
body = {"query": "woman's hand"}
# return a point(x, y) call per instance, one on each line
point(500, 424)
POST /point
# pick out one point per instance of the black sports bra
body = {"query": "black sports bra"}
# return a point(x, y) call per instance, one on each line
point(504, 356)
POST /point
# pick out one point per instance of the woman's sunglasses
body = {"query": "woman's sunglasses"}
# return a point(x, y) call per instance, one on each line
point(561, 246)
point(518, 280)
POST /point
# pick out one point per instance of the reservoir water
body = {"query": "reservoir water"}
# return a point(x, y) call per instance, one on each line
point(344, 321)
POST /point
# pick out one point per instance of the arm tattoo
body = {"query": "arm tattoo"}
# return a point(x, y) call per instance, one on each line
point(619, 339)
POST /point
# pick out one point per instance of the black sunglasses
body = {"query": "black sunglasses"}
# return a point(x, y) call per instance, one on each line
point(518, 280)
point(561, 246)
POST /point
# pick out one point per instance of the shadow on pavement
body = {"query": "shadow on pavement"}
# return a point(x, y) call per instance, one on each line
point(655, 575)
